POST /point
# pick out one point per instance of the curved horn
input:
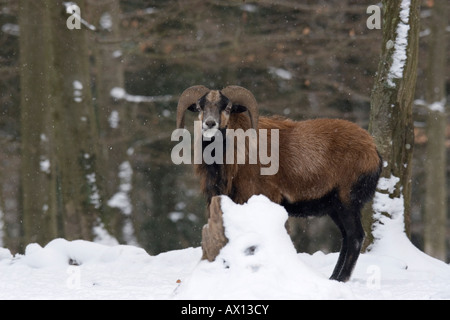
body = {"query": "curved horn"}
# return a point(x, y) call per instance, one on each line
point(243, 97)
point(188, 98)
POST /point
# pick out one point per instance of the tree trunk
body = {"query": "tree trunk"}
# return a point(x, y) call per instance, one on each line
point(391, 121)
point(76, 133)
point(59, 139)
point(2, 214)
point(10, 219)
point(213, 233)
point(39, 179)
point(112, 114)
point(435, 214)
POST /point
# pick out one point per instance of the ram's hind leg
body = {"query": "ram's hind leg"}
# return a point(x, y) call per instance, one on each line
point(348, 219)
point(349, 223)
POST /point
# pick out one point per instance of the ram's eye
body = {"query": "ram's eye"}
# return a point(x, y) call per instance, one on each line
point(195, 108)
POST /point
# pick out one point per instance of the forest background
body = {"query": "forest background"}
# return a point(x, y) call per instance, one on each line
point(86, 115)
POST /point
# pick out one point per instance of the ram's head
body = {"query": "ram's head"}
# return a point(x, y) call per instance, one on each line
point(216, 106)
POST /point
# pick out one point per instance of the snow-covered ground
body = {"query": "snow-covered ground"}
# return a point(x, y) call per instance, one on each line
point(259, 262)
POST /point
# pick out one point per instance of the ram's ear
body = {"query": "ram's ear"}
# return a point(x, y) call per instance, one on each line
point(237, 108)
point(193, 108)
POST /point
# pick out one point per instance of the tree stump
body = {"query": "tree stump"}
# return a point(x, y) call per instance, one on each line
point(213, 233)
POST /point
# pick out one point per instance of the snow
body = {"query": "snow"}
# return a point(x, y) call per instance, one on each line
point(428, 277)
point(44, 138)
point(44, 165)
point(94, 196)
point(176, 216)
point(77, 91)
point(401, 43)
point(281, 73)
point(149, 11)
point(438, 106)
point(114, 119)
point(77, 85)
point(388, 209)
point(121, 199)
point(106, 21)
point(120, 94)
point(102, 236)
point(249, 8)
point(388, 184)
point(2, 224)
point(11, 29)
point(259, 262)
point(117, 54)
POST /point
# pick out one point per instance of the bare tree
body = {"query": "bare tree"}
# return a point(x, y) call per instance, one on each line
point(113, 114)
point(39, 178)
point(391, 120)
point(76, 133)
point(60, 195)
point(435, 214)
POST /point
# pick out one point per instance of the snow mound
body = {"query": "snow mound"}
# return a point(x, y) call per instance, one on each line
point(259, 261)
point(5, 254)
point(85, 270)
point(61, 253)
